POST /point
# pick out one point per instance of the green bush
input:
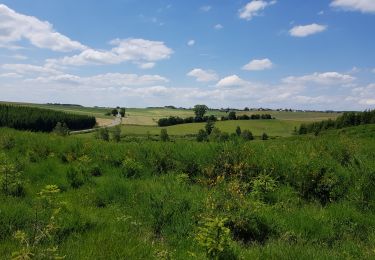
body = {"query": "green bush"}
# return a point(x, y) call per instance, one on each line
point(131, 168)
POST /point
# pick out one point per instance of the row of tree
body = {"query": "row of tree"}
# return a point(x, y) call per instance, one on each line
point(232, 116)
point(175, 120)
point(345, 120)
point(41, 120)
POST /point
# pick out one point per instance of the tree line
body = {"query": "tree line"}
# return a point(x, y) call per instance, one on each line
point(347, 119)
point(41, 120)
point(200, 111)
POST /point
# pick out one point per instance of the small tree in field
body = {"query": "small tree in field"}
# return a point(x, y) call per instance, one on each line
point(238, 131)
point(103, 134)
point(164, 135)
point(209, 126)
point(232, 115)
point(116, 134)
point(61, 129)
point(122, 112)
point(114, 112)
point(264, 136)
point(247, 135)
point(200, 110)
point(202, 136)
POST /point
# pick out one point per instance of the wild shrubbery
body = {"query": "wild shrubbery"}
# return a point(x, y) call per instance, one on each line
point(233, 199)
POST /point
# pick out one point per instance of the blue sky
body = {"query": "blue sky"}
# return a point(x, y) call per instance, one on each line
point(301, 54)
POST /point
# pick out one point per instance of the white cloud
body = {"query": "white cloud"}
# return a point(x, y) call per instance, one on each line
point(10, 75)
point(253, 8)
point(203, 75)
point(327, 78)
point(206, 8)
point(306, 30)
point(218, 27)
point(103, 80)
point(262, 64)
point(15, 27)
point(147, 65)
point(24, 69)
point(191, 42)
point(134, 50)
point(364, 6)
point(364, 95)
point(231, 81)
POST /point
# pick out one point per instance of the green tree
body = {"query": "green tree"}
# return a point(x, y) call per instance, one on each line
point(164, 135)
point(209, 126)
point(103, 134)
point(202, 136)
point(114, 112)
point(122, 112)
point(200, 110)
point(61, 129)
point(247, 135)
point(232, 115)
point(238, 131)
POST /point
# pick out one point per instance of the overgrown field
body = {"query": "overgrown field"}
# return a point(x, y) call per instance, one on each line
point(301, 197)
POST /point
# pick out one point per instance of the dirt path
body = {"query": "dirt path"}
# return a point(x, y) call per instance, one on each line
point(115, 122)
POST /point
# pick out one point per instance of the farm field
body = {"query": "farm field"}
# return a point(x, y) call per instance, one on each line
point(301, 197)
point(257, 127)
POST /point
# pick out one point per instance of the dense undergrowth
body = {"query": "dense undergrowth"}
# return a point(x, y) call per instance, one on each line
point(304, 197)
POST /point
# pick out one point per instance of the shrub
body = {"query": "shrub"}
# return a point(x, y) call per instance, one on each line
point(116, 134)
point(247, 135)
point(61, 129)
point(209, 126)
point(102, 134)
point(10, 178)
point(131, 168)
point(264, 136)
point(76, 176)
point(164, 135)
point(232, 115)
point(214, 237)
point(202, 136)
point(238, 131)
point(262, 185)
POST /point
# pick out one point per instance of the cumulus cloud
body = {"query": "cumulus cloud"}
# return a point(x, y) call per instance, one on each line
point(191, 42)
point(203, 75)
point(326, 78)
point(138, 51)
point(25, 69)
point(306, 30)
point(364, 95)
point(103, 80)
point(15, 27)
point(218, 26)
point(262, 64)
point(364, 6)
point(253, 8)
point(232, 81)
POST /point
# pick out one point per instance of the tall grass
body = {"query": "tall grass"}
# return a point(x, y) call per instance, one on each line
point(303, 197)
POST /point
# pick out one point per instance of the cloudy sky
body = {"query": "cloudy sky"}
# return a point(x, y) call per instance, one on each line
point(314, 54)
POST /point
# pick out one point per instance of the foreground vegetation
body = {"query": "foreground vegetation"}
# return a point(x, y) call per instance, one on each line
point(302, 197)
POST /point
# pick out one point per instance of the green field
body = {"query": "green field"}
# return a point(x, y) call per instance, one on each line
point(300, 197)
point(257, 127)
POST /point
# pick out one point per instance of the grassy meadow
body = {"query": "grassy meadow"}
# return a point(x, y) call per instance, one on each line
point(299, 197)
